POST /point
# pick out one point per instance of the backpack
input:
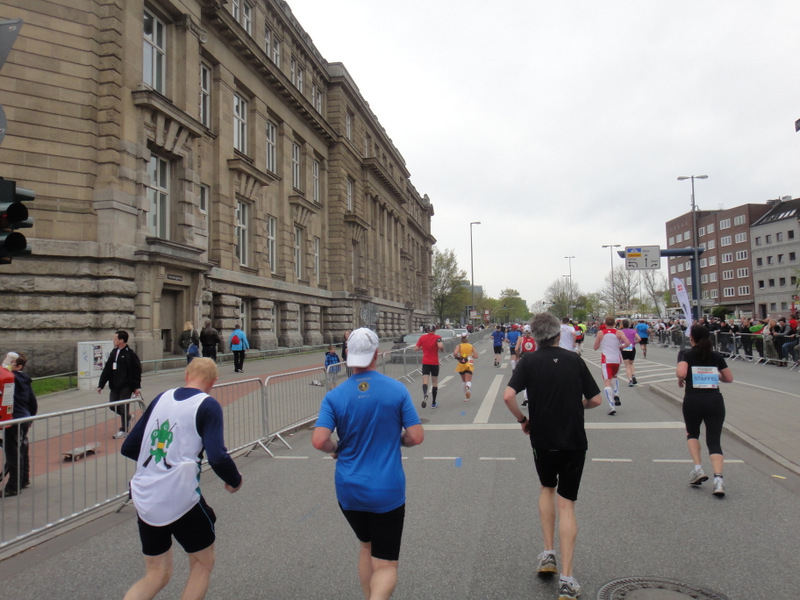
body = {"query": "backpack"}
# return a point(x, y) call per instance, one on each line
point(235, 340)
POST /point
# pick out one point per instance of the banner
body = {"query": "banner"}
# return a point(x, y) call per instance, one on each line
point(683, 298)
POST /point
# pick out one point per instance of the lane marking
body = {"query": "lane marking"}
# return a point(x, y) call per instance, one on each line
point(488, 401)
point(613, 460)
point(688, 460)
point(440, 457)
point(497, 458)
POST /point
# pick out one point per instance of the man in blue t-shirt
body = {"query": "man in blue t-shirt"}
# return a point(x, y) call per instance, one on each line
point(498, 336)
point(512, 336)
point(643, 329)
point(373, 416)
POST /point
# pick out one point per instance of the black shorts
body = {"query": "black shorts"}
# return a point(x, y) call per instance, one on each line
point(629, 354)
point(512, 351)
point(498, 349)
point(432, 370)
point(194, 531)
point(643, 341)
point(561, 469)
point(383, 531)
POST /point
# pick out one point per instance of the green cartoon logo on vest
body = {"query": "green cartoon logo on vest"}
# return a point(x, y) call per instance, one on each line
point(160, 439)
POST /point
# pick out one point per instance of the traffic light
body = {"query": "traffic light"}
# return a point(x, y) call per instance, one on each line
point(13, 216)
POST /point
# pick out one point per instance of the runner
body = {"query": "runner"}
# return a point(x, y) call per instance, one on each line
point(629, 352)
point(580, 335)
point(430, 344)
point(568, 335)
point(465, 354)
point(511, 337)
point(643, 329)
point(525, 344)
point(498, 336)
point(611, 341)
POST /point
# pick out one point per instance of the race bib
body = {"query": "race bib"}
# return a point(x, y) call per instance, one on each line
point(705, 378)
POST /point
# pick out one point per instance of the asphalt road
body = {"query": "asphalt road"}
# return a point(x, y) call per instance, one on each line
point(472, 529)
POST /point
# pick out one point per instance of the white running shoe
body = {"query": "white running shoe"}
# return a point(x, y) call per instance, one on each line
point(697, 476)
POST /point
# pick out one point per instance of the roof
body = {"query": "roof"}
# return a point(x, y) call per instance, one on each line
point(783, 210)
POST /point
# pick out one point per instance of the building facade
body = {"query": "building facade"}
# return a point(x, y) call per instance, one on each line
point(776, 266)
point(726, 266)
point(200, 159)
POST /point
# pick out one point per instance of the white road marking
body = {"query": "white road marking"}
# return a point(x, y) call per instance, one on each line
point(614, 460)
point(497, 458)
point(440, 457)
point(488, 401)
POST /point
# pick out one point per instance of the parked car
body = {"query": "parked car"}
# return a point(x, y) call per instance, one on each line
point(449, 338)
point(410, 355)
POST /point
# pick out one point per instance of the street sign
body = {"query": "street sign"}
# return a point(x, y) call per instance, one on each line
point(642, 257)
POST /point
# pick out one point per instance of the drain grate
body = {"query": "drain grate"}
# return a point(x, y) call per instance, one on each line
point(654, 588)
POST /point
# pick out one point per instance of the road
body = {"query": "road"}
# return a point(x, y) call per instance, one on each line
point(472, 529)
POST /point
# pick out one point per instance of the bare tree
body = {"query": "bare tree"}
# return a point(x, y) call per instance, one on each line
point(655, 284)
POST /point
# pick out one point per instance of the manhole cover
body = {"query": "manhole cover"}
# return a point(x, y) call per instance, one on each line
point(654, 588)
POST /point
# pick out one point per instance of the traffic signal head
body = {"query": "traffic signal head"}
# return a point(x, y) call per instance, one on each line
point(13, 216)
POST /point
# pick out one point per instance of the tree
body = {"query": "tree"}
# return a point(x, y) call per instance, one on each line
point(449, 293)
point(511, 308)
point(655, 285)
point(556, 297)
point(621, 296)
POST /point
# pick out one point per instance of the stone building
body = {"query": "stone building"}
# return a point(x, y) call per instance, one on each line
point(776, 259)
point(199, 159)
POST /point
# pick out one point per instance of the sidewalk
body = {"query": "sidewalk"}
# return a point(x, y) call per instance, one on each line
point(767, 421)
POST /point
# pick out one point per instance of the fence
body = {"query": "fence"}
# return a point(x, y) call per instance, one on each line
point(76, 467)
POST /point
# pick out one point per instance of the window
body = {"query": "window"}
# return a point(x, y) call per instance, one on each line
point(743, 272)
point(710, 228)
point(714, 293)
point(158, 194)
point(742, 254)
point(687, 236)
point(680, 268)
point(712, 244)
point(740, 237)
point(293, 70)
point(758, 240)
point(712, 277)
point(761, 284)
point(300, 74)
point(780, 258)
point(703, 279)
point(155, 50)
point(272, 147)
point(204, 199)
point(348, 125)
point(712, 260)
point(276, 52)
point(247, 17)
point(350, 184)
point(739, 220)
point(727, 274)
point(768, 238)
point(725, 224)
point(295, 166)
point(792, 256)
point(744, 290)
point(769, 260)
point(272, 245)
point(316, 97)
point(727, 257)
point(242, 221)
point(790, 234)
point(703, 262)
point(725, 240)
point(316, 257)
point(205, 95)
point(779, 236)
point(678, 238)
point(759, 261)
point(701, 231)
point(671, 241)
point(298, 252)
point(672, 270)
point(771, 283)
point(781, 281)
point(315, 181)
point(268, 42)
point(239, 123)
point(728, 292)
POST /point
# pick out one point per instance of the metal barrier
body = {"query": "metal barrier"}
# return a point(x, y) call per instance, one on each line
point(75, 468)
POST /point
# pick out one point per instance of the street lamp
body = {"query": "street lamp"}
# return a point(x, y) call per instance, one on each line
point(695, 244)
point(472, 269)
point(613, 293)
point(569, 308)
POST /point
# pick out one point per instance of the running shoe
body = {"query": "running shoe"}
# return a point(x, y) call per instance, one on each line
point(719, 489)
point(568, 591)
point(612, 412)
point(617, 401)
point(697, 476)
point(425, 401)
point(434, 405)
point(547, 564)
point(468, 395)
point(633, 379)
point(120, 434)
point(630, 383)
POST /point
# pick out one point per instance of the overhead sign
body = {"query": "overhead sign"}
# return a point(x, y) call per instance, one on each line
point(642, 257)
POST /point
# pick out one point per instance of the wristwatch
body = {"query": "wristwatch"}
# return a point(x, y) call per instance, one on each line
point(523, 420)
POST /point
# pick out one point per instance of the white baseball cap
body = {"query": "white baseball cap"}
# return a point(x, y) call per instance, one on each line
point(10, 359)
point(527, 328)
point(361, 347)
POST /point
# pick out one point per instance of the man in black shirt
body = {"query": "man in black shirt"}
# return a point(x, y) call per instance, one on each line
point(123, 373)
point(559, 388)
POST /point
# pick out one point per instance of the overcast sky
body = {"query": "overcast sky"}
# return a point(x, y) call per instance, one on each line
point(563, 125)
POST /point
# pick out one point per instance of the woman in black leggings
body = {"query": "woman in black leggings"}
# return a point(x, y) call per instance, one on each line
point(700, 371)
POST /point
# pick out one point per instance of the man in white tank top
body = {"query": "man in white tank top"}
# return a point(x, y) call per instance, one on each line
point(610, 341)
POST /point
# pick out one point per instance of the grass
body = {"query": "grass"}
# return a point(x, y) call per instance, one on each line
point(49, 385)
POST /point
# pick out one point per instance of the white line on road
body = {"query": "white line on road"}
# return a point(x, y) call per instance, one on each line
point(488, 401)
point(497, 458)
point(614, 460)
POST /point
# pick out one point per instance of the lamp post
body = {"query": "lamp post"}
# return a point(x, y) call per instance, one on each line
point(569, 308)
point(472, 269)
point(613, 292)
point(695, 244)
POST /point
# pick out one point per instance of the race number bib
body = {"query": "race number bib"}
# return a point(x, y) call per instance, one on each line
point(705, 378)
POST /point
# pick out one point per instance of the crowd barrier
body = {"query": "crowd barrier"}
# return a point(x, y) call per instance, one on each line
point(76, 467)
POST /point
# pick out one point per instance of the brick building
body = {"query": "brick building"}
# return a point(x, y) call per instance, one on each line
point(199, 159)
